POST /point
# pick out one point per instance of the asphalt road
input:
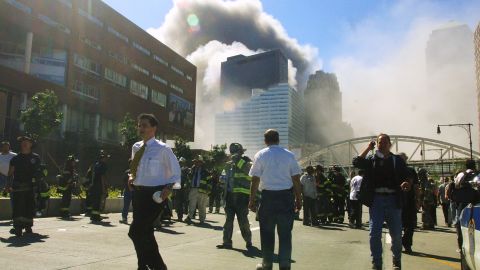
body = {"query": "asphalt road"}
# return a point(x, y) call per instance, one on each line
point(78, 244)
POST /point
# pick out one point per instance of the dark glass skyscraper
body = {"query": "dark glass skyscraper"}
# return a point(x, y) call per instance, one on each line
point(241, 74)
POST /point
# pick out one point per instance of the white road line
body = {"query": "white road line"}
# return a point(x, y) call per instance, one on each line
point(388, 239)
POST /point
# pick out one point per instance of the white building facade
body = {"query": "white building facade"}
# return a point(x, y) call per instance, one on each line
point(279, 107)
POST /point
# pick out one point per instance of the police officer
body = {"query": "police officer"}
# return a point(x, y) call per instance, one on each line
point(428, 200)
point(66, 183)
point(41, 190)
point(236, 195)
point(98, 188)
point(23, 169)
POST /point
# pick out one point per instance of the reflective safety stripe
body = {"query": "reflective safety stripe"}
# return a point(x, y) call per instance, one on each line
point(44, 194)
point(62, 188)
point(240, 163)
point(204, 187)
point(241, 190)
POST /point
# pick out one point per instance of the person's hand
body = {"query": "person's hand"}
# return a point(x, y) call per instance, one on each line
point(252, 206)
point(405, 186)
point(371, 146)
point(298, 204)
point(165, 193)
point(130, 182)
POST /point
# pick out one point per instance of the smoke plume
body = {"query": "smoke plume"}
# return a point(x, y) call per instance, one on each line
point(206, 32)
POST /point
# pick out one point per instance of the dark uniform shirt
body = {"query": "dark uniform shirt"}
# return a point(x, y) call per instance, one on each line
point(99, 170)
point(27, 167)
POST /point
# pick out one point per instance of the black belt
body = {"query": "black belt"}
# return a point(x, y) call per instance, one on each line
point(148, 188)
point(277, 191)
point(385, 193)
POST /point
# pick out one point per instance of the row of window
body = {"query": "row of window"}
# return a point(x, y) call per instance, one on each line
point(91, 43)
point(80, 121)
point(20, 6)
point(90, 17)
point(140, 69)
point(86, 90)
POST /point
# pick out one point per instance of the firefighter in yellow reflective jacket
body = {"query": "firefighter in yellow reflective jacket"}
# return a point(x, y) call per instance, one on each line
point(199, 191)
point(324, 193)
point(66, 183)
point(236, 195)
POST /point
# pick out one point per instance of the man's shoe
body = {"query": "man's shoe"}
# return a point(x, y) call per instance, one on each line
point(376, 266)
point(397, 265)
point(124, 221)
point(188, 221)
point(28, 230)
point(16, 231)
point(285, 268)
point(249, 245)
point(408, 250)
point(224, 246)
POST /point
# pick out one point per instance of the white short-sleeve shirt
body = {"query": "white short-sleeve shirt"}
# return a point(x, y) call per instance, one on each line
point(158, 165)
point(275, 167)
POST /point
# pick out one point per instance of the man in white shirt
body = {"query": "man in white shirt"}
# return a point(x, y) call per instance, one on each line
point(355, 204)
point(154, 168)
point(277, 173)
point(5, 156)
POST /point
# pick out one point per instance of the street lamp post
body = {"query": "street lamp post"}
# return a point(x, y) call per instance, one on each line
point(467, 128)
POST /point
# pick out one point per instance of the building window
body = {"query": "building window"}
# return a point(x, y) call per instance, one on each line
point(20, 6)
point(117, 34)
point(108, 130)
point(176, 88)
point(79, 121)
point(141, 48)
point(67, 3)
point(85, 90)
point(159, 79)
point(119, 57)
point(115, 77)
point(189, 78)
point(159, 98)
point(140, 69)
point(160, 60)
point(86, 64)
point(139, 89)
point(49, 21)
point(177, 70)
point(90, 17)
point(91, 43)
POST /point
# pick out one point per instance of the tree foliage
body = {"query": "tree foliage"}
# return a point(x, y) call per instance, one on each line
point(182, 149)
point(128, 129)
point(42, 115)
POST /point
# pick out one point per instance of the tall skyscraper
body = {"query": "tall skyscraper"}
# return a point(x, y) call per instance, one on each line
point(477, 65)
point(451, 79)
point(241, 74)
point(279, 107)
point(323, 110)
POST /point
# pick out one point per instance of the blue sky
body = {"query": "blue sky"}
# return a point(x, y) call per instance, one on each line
point(323, 24)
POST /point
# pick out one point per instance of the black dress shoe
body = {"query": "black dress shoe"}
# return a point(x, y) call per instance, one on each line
point(224, 246)
point(28, 230)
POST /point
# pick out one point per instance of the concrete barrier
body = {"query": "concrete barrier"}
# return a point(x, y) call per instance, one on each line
point(112, 205)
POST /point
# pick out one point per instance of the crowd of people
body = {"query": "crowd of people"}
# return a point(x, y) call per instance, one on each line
point(157, 183)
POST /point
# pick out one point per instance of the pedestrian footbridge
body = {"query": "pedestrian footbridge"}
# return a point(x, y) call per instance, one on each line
point(438, 156)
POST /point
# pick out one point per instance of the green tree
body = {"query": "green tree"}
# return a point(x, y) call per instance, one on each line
point(217, 156)
point(128, 129)
point(42, 115)
point(182, 149)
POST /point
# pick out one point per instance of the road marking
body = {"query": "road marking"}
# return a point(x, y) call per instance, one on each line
point(451, 264)
point(388, 238)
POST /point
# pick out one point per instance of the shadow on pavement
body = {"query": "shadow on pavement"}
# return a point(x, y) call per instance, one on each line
point(445, 230)
point(69, 219)
point(438, 257)
point(103, 223)
point(165, 230)
point(26, 240)
point(209, 226)
point(330, 227)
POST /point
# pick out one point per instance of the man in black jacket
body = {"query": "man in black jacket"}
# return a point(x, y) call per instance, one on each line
point(386, 177)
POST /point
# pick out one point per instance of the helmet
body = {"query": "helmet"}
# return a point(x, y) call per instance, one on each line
point(236, 148)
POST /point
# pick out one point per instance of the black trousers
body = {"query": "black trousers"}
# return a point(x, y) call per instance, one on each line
point(309, 211)
point(236, 204)
point(445, 209)
point(66, 200)
point(409, 222)
point(179, 201)
point(145, 211)
point(339, 208)
point(214, 200)
point(355, 216)
point(96, 202)
point(23, 203)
